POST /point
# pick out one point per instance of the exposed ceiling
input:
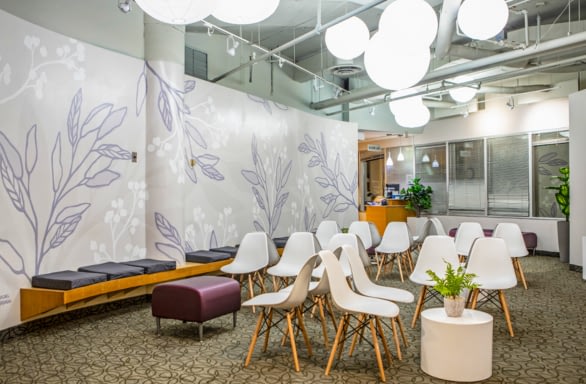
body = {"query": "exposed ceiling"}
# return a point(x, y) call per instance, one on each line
point(540, 37)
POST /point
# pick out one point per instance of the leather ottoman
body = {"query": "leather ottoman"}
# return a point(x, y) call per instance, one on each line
point(197, 299)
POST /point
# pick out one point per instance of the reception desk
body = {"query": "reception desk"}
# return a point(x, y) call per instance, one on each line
point(380, 215)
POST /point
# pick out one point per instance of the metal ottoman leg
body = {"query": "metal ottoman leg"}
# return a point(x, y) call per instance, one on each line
point(200, 327)
point(234, 319)
point(158, 321)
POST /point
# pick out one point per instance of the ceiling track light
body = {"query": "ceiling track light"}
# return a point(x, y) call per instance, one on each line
point(511, 103)
point(124, 6)
point(231, 45)
point(373, 112)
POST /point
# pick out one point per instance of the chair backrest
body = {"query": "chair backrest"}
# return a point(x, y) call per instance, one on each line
point(325, 230)
point(352, 240)
point(489, 259)
point(273, 252)
point(359, 275)
point(299, 248)
point(342, 294)
point(374, 234)
point(467, 233)
point(362, 230)
point(395, 239)
point(300, 288)
point(435, 252)
point(253, 251)
point(437, 227)
point(511, 233)
point(423, 228)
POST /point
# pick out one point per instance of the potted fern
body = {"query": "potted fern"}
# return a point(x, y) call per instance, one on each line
point(418, 196)
point(451, 287)
point(562, 197)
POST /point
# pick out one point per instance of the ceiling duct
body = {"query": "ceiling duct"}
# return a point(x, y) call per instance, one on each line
point(345, 68)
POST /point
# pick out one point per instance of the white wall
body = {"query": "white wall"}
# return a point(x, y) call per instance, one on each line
point(577, 177)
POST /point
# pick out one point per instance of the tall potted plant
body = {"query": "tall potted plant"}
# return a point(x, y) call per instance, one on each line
point(562, 197)
point(418, 196)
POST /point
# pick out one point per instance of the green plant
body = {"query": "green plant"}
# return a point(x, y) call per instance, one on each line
point(455, 281)
point(418, 196)
point(562, 196)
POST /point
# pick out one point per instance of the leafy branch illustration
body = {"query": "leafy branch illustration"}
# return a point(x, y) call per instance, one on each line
point(81, 160)
point(173, 113)
point(544, 163)
point(269, 194)
point(174, 248)
point(35, 77)
point(343, 195)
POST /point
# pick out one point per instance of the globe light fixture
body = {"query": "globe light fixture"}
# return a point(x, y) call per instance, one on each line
point(462, 94)
point(415, 119)
point(178, 12)
point(406, 105)
point(482, 19)
point(348, 39)
point(244, 12)
point(393, 65)
point(410, 15)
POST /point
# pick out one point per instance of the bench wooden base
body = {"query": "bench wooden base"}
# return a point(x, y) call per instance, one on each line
point(36, 303)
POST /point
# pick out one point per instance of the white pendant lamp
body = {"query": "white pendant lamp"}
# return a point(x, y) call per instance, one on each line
point(244, 12)
point(400, 157)
point(178, 12)
point(389, 160)
point(347, 39)
point(393, 65)
point(425, 158)
point(482, 19)
point(413, 21)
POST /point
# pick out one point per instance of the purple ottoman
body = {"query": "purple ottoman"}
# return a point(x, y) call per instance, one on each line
point(197, 299)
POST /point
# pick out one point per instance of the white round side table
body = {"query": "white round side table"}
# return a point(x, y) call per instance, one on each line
point(456, 348)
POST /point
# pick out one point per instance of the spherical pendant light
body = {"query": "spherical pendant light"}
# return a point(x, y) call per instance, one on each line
point(415, 119)
point(177, 11)
point(244, 12)
point(393, 65)
point(414, 21)
point(406, 105)
point(483, 19)
point(347, 39)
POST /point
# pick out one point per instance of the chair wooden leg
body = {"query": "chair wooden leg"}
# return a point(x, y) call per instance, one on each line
point(396, 338)
point(322, 319)
point(339, 336)
point(379, 264)
point(474, 298)
point(292, 340)
point(519, 270)
point(505, 308)
point(269, 325)
point(401, 329)
point(383, 338)
point(356, 334)
point(400, 265)
point(344, 332)
point(301, 324)
point(419, 306)
point(379, 359)
point(254, 337)
point(330, 310)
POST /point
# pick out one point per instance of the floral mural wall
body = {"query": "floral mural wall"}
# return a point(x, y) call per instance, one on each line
point(86, 132)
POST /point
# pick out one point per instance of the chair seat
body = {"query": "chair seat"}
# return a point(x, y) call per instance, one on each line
point(271, 298)
point(398, 295)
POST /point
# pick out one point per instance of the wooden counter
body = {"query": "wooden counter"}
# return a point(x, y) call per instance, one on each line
point(381, 215)
point(40, 302)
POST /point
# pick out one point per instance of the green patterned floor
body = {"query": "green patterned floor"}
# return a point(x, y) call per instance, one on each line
point(120, 346)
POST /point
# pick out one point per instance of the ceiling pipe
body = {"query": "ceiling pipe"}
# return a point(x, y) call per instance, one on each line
point(318, 29)
point(556, 46)
point(446, 27)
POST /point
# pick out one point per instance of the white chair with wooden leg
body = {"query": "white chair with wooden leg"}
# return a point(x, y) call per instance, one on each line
point(367, 310)
point(325, 230)
point(299, 247)
point(513, 236)
point(395, 246)
point(465, 236)
point(435, 252)
point(288, 305)
point(489, 259)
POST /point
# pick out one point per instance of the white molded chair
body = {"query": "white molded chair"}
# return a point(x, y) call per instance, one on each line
point(465, 236)
point(325, 230)
point(437, 228)
point(299, 247)
point(289, 302)
point(374, 234)
point(335, 242)
point(423, 229)
point(367, 310)
point(365, 286)
point(513, 237)
point(435, 252)
point(362, 230)
point(489, 259)
point(250, 261)
point(395, 245)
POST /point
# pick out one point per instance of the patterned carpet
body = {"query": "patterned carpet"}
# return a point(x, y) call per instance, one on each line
point(120, 345)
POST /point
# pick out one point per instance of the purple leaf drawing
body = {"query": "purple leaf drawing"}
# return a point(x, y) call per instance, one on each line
point(303, 148)
point(102, 179)
point(191, 174)
point(167, 229)
point(171, 251)
point(341, 207)
point(557, 163)
point(11, 156)
point(165, 111)
point(208, 160)
point(328, 172)
point(213, 240)
point(314, 162)
point(212, 172)
point(114, 152)
point(250, 176)
point(10, 256)
point(195, 135)
point(73, 118)
point(112, 121)
point(31, 149)
point(95, 119)
point(345, 183)
point(258, 226)
point(141, 91)
point(286, 173)
point(189, 86)
point(12, 186)
point(263, 102)
point(56, 164)
point(308, 220)
point(71, 213)
point(63, 231)
point(259, 199)
point(322, 181)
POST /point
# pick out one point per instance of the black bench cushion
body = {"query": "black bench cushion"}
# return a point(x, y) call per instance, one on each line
point(152, 265)
point(65, 280)
point(203, 256)
point(113, 270)
point(227, 249)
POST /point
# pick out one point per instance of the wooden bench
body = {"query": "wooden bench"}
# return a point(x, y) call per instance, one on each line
point(40, 302)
